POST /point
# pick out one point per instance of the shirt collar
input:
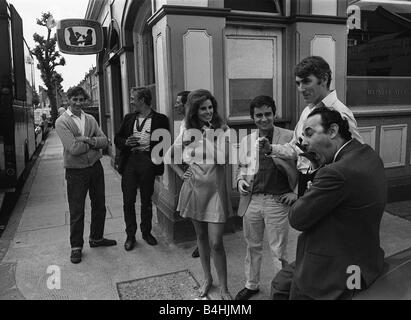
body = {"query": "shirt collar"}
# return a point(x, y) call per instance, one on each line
point(328, 101)
point(150, 115)
point(342, 147)
point(71, 114)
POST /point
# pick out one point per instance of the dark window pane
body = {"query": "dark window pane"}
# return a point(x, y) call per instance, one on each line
point(242, 91)
point(18, 54)
point(383, 45)
point(380, 53)
point(254, 5)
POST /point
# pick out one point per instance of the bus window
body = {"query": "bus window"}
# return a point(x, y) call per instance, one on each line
point(29, 68)
point(18, 54)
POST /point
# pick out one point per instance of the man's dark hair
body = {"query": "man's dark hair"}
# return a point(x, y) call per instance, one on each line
point(76, 91)
point(142, 93)
point(261, 101)
point(328, 117)
point(183, 95)
point(313, 65)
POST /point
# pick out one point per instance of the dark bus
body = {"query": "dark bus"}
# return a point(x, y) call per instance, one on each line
point(17, 129)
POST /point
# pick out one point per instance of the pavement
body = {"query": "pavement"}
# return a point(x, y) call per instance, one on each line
point(35, 248)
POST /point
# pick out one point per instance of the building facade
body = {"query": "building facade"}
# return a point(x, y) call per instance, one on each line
point(239, 49)
point(91, 85)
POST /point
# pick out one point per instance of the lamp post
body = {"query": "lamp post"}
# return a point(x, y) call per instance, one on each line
point(91, 89)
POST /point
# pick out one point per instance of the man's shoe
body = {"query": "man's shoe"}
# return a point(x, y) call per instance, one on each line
point(150, 239)
point(195, 253)
point(102, 243)
point(245, 294)
point(75, 256)
point(130, 243)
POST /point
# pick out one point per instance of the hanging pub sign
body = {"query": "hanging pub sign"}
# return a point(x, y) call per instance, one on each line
point(79, 36)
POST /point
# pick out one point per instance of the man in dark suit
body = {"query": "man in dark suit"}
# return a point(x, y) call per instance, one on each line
point(136, 163)
point(340, 214)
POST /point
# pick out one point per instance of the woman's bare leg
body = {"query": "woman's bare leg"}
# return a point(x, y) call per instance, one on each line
point(204, 249)
point(215, 233)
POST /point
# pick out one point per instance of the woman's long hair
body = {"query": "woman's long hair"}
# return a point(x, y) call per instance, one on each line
point(194, 101)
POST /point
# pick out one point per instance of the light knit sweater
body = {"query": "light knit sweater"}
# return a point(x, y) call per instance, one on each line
point(79, 154)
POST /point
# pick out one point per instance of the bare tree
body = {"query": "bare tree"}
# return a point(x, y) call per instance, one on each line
point(48, 59)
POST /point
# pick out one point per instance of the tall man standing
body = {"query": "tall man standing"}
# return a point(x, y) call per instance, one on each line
point(136, 165)
point(340, 214)
point(82, 140)
point(266, 191)
point(313, 79)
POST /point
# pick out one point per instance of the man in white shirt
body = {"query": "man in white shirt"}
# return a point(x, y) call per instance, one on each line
point(313, 78)
point(83, 141)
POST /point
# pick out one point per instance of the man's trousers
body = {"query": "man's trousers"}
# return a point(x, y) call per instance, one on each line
point(79, 182)
point(264, 212)
point(138, 173)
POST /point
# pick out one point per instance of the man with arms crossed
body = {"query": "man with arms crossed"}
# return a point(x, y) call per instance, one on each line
point(82, 140)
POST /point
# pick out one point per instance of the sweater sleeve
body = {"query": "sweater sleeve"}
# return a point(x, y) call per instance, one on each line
point(99, 136)
point(69, 141)
point(321, 199)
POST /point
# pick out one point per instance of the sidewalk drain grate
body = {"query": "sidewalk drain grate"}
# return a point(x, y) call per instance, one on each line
point(180, 285)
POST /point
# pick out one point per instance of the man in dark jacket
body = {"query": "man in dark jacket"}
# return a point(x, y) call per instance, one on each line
point(136, 164)
point(340, 214)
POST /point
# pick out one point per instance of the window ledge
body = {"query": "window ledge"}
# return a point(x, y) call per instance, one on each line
point(381, 111)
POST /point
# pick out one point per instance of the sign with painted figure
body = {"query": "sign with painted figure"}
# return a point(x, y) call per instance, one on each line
point(80, 37)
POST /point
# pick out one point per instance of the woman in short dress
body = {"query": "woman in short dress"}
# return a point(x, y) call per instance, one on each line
point(204, 196)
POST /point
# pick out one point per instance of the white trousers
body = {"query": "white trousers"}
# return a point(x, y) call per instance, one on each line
point(264, 212)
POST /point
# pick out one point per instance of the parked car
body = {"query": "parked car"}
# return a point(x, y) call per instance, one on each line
point(38, 133)
point(394, 283)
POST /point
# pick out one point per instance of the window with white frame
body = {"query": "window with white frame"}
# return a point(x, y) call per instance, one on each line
point(253, 68)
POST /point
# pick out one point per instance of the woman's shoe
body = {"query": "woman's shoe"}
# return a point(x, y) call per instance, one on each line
point(205, 287)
